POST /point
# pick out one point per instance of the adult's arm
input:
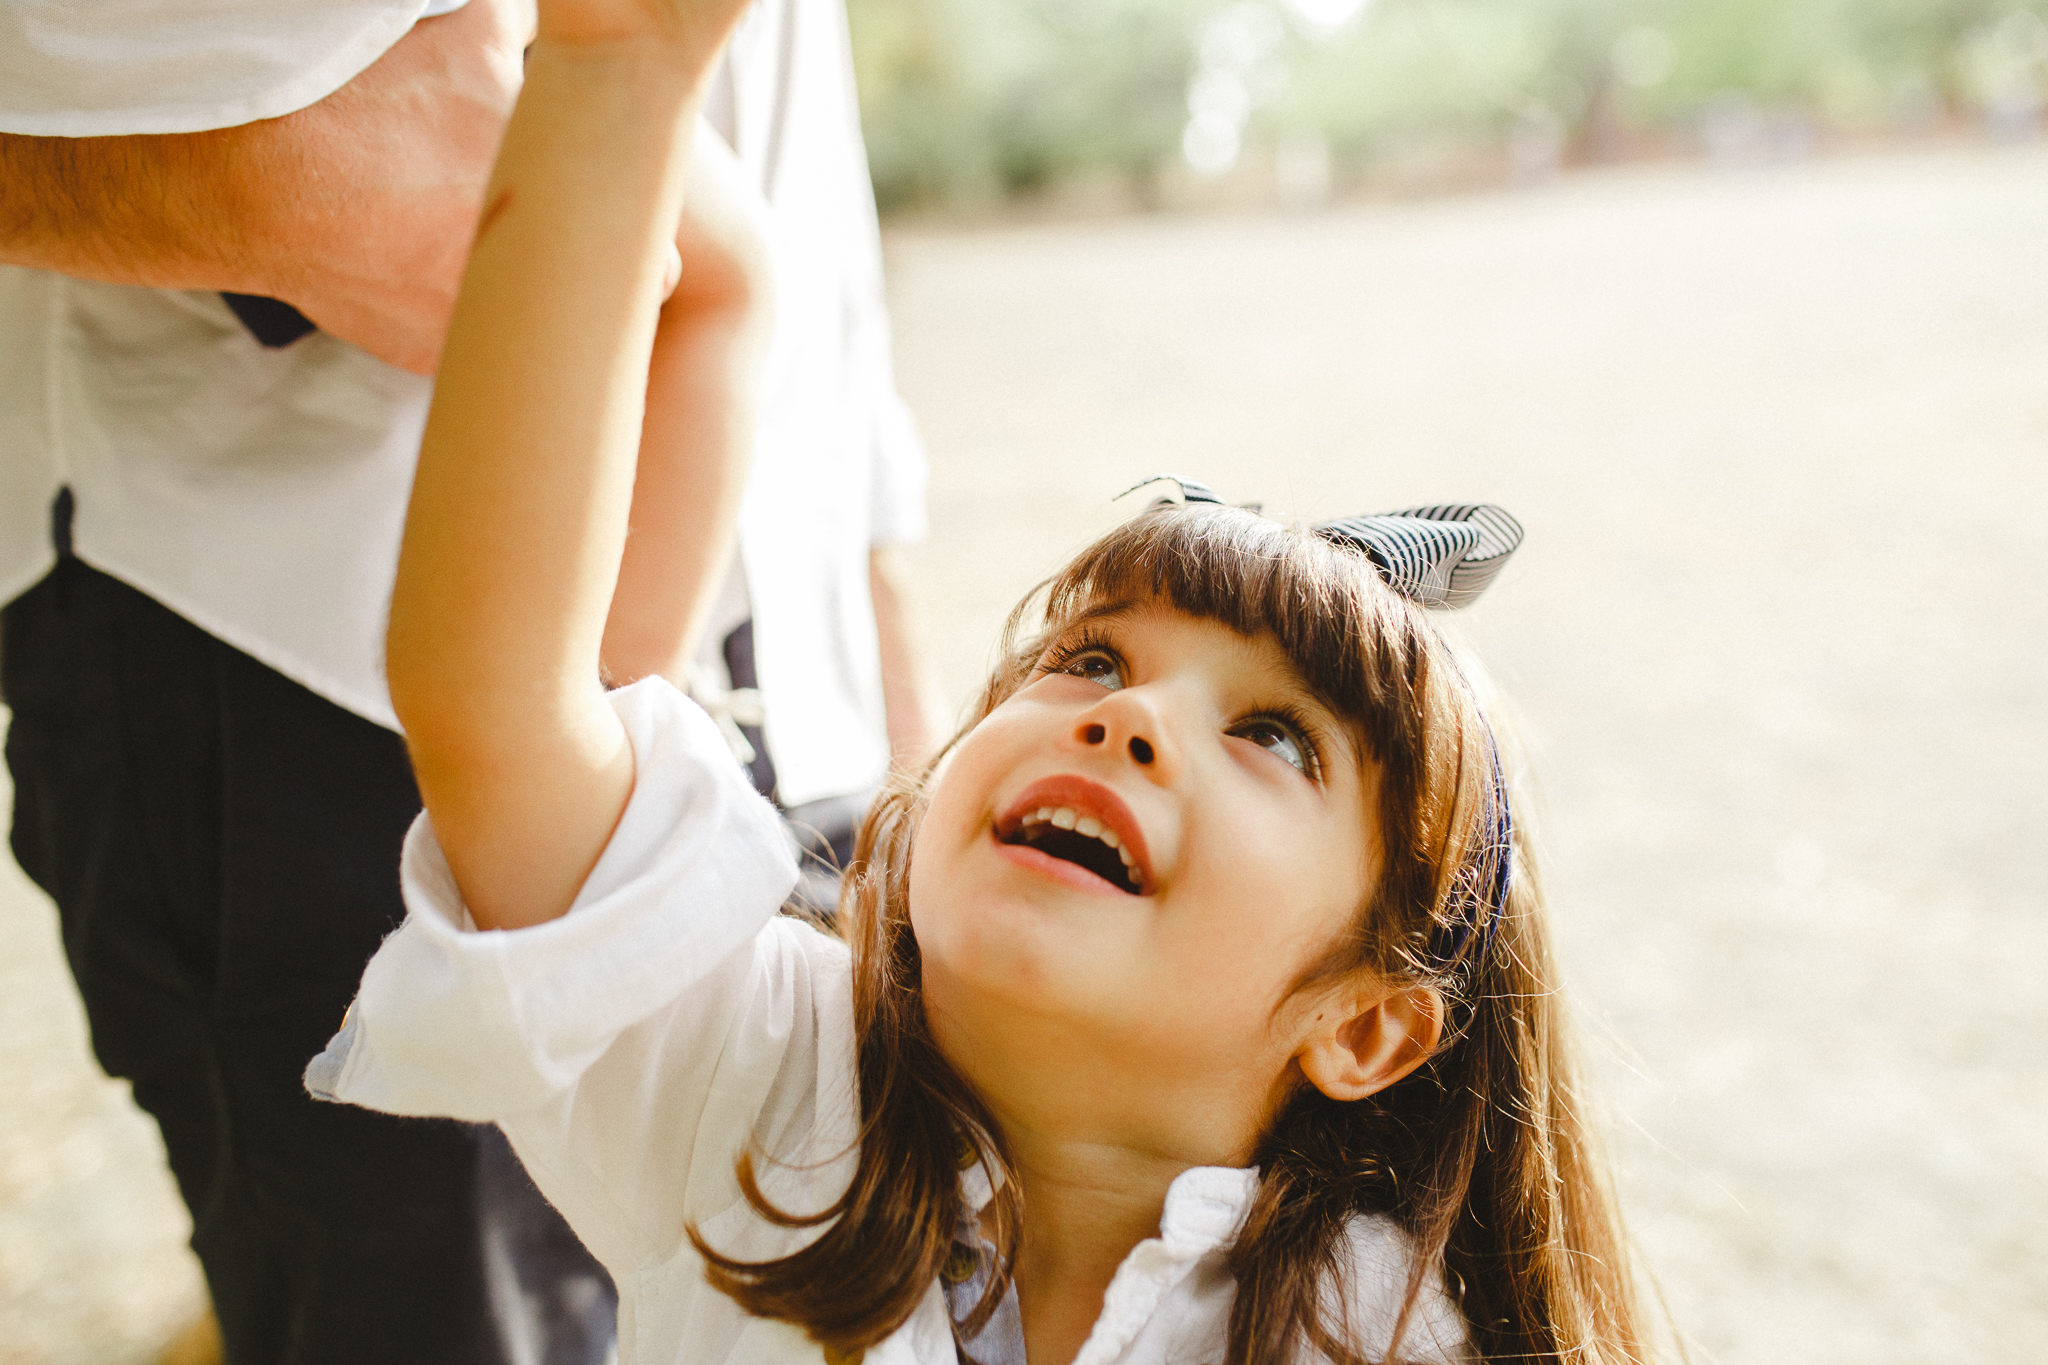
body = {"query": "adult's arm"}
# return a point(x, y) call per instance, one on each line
point(358, 210)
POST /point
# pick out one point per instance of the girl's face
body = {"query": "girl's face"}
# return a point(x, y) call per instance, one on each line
point(1141, 850)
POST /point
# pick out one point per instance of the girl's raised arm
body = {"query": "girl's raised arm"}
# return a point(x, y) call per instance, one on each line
point(519, 512)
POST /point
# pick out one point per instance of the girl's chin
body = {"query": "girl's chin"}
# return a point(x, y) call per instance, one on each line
point(1014, 948)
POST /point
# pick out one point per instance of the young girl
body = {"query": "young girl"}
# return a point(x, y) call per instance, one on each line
point(1190, 1011)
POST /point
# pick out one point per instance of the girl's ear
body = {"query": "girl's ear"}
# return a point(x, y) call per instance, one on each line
point(1370, 1039)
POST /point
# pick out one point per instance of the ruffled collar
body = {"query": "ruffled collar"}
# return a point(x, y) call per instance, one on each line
point(1205, 1209)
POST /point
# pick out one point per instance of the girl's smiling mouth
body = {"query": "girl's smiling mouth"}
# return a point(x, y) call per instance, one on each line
point(1074, 827)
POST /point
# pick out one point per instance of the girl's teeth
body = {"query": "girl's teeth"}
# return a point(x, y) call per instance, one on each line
point(1066, 817)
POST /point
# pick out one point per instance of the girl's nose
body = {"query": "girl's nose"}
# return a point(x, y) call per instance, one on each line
point(1127, 730)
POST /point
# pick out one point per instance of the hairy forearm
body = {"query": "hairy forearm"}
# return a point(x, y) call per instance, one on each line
point(152, 210)
point(358, 209)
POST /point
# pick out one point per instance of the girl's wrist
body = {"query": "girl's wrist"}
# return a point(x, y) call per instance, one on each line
point(629, 106)
point(687, 37)
point(648, 68)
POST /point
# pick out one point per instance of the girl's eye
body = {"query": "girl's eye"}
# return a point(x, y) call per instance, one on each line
point(1097, 666)
point(1279, 738)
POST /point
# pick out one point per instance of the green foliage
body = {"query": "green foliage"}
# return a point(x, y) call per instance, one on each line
point(975, 99)
point(967, 98)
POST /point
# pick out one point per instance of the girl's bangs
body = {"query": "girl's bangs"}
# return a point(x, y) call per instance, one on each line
point(1253, 576)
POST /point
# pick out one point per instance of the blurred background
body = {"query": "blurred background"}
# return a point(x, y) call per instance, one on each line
point(1742, 307)
point(1144, 103)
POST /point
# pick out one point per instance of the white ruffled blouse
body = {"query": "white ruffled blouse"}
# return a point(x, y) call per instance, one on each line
point(632, 1048)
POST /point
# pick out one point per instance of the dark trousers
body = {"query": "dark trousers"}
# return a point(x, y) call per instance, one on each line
point(222, 846)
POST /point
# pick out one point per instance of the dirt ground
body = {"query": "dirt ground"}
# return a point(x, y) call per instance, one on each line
point(1777, 643)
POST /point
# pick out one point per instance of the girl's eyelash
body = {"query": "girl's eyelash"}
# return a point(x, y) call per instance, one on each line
point(1295, 719)
point(1063, 655)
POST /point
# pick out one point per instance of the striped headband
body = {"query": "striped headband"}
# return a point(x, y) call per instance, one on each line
point(1441, 556)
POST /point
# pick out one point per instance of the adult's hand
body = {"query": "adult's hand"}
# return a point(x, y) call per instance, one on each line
point(358, 210)
point(389, 174)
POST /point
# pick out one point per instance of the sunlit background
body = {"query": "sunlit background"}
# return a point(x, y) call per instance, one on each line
point(1742, 306)
point(1165, 102)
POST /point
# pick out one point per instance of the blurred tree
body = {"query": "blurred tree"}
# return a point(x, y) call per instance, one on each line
point(964, 98)
point(973, 99)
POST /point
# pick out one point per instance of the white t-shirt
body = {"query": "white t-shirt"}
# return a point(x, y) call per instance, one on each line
point(634, 1047)
point(261, 493)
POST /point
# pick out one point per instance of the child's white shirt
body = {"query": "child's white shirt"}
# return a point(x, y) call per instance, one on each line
point(634, 1047)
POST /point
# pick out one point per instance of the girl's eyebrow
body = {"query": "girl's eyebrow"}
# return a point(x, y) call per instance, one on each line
point(1100, 611)
point(1093, 614)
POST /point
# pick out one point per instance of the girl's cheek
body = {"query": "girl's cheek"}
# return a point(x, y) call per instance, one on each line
point(1274, 860)
point(942, 768)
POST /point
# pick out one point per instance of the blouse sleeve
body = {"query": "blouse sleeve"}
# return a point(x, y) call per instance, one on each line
point(179, 66)
point(632, 1048)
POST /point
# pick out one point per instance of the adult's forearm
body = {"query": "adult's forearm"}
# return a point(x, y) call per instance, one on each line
point(358, 209)
point(152, 210)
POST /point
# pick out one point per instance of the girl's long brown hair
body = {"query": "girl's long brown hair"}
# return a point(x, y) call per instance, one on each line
point(1482, 1155)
